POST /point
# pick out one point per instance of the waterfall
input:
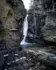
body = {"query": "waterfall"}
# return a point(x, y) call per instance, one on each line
point(25, 29)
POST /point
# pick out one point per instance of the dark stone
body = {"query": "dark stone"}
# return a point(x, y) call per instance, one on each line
point(2, 60)
point(2, 45)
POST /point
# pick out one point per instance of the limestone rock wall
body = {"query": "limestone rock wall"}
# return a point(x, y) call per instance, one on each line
point(49, 29)
point(12, 13)
point(44, 13)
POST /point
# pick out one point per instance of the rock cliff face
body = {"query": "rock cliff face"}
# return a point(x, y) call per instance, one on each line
point(12, 13)
point(49, 29)
point(42, 23)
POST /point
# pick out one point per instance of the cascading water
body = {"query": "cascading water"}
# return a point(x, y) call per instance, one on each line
point(25, 29)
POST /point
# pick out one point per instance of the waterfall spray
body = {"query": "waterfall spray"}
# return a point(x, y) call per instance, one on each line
point(25, 30)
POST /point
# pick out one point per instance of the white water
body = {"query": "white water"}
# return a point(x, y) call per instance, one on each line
point(25, 30)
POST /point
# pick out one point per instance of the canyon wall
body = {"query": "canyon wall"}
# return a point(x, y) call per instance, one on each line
point(12, 14)
point(42, 21)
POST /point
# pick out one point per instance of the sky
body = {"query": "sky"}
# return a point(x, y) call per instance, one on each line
point(27, 3)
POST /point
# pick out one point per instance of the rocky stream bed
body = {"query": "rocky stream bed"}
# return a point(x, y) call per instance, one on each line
point(34, 58)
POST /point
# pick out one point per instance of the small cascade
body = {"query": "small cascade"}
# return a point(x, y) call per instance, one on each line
point(25, 30)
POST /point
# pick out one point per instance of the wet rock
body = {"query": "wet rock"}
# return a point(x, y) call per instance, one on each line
point(18, 61)
point(25, 60)
point(34, 26)
point(2, 61)
point(42, 22)
point(49, 29)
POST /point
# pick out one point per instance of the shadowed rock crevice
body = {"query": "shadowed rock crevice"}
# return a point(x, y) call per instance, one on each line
point(42, 21)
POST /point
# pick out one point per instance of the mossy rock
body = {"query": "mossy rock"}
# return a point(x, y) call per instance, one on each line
point(9, 13)
point(3, 32)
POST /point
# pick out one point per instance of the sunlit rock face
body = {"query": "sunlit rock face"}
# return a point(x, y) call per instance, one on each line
point(42, 21)
point(12, 13)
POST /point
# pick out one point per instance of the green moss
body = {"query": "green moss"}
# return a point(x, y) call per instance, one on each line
point(3, 32)
point(9, 13)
